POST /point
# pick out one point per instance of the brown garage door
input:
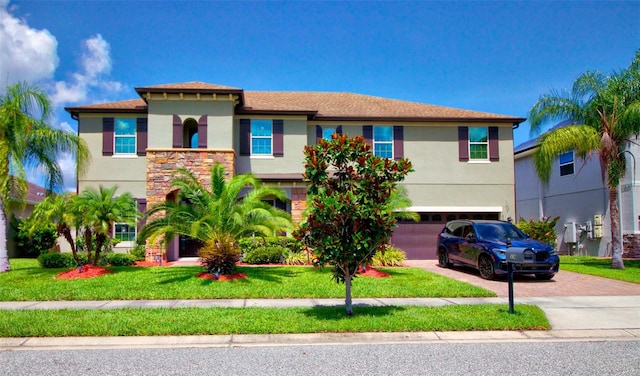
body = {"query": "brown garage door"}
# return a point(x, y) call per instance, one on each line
point(420, 239)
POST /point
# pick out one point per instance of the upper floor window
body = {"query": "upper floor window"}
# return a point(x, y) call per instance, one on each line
point(478, 143)
point(261, 137)
point(124, 136)
point(327, 133)
point(566, 163)
point(383, 142)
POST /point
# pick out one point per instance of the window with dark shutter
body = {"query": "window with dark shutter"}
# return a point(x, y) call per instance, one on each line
point(177, 131)
point(107, 136)
point(245, 136)
point(339, 129)
point(141, 140)
point(142, 208)
point(278, 138)
point(367, 133)
point(463, 143)
point(202, 132)
point(318, 134)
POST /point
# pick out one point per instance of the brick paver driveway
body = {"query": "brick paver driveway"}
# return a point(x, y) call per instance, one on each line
point(563, 284)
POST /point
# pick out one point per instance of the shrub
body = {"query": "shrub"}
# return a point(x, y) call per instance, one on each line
point(61, 260)
point(249, 244)
point(389, 256)
point(56, 260)
point(139, 252)
point(543, 230)
point(266, 255)
point(119, 259)
point(38, 242)
point(220, 254)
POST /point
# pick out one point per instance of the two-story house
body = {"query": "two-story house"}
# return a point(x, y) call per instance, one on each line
point(463, 159)
point(578, 194)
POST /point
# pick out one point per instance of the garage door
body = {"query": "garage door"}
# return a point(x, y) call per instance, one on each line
point(419, 239)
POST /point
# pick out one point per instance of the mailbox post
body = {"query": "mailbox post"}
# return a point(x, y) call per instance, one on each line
point(514, 256)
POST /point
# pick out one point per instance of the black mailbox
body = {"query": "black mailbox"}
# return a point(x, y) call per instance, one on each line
point(519, 255)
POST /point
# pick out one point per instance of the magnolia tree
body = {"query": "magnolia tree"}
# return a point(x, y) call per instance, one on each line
point(348, 209)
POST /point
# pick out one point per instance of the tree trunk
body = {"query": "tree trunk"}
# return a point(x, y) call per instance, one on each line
point(347, 300)
point(65, 231)
point(4, 253)
point(616, 242)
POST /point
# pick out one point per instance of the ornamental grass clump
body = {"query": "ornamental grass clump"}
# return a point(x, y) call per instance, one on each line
point(220, 255)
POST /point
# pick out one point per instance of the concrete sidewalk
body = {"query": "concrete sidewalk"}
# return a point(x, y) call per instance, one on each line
point(571, 318)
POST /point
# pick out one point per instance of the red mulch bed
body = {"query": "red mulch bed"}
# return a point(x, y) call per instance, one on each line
point(222, 277)
point(148, 264)
point(373, 273)
point(87, 271)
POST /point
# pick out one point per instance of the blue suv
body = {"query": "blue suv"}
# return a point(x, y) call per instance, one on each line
point(482, 244)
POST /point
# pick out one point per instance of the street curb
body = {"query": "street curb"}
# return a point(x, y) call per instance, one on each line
point(315, 339)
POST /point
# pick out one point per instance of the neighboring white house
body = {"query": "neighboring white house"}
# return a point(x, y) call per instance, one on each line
point(578, 194)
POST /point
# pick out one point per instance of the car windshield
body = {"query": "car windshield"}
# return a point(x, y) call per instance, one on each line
point(499, 231)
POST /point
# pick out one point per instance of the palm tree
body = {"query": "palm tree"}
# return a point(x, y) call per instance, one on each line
point(218, 213)
point(58, 209)
point(605, 111)
point(28, 141)
point(99, 210)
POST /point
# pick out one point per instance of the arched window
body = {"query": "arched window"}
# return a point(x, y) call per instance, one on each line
point(190, 134)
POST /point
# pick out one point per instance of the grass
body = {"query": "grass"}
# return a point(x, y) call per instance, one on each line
point(208, 321)
point(601, 267)
point(28, 281)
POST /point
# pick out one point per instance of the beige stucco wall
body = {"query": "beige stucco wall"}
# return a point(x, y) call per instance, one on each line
point(127, 172)
point(219, 121)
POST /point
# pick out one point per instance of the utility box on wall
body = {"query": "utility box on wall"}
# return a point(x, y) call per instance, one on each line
point(597, 226)
point(570, 232)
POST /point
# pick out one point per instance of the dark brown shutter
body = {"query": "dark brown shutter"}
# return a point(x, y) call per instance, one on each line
point(367, 133)
point(177, 131)
point(142, 208)
point(463, 143)
point(245, 136)
point(202, 132)
point(494, 154)
point(278, 138)
point(339, 129)
point(398, 142)
point(141, 139)
point(318, 134)
point(107, 136)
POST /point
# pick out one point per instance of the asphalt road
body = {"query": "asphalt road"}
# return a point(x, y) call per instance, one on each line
point(501, 358)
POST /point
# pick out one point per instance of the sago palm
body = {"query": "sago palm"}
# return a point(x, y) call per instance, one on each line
point(28, 141)
point(605, 111)
point(58, 209)
point(219, 211)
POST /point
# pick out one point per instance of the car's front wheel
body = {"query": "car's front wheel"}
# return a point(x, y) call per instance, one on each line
point(485, 267)
point(443, 258)
point(544, 276)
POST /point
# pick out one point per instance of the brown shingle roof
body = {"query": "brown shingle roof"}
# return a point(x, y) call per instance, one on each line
point(317, 105)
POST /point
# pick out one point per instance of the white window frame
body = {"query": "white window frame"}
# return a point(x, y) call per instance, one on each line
point(390, 142)
point(261, 137)
point(471, 157)
point(135, 231)
point(116, 136)
point(571, 163)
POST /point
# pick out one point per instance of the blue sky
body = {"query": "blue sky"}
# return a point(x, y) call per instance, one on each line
point(490, 56)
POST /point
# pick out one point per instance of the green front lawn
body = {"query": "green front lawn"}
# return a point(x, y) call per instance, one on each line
point(601, 267)
point(204, 321)
point(28, 281)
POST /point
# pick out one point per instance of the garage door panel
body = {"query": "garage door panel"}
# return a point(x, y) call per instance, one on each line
point(418, 240)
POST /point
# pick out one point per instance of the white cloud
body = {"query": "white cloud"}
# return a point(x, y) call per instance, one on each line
point(95, 67)
point(26, 54)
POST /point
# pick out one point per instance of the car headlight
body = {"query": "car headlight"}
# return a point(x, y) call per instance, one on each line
point(500, 252)
point(553, 252)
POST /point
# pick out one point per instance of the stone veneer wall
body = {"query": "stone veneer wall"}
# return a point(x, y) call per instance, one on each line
point(162, 162)
point(298, 204)
point(631, 246)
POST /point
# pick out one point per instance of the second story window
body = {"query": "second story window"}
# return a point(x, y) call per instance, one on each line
point(261, 137)
point(124, 136)
point(478, 143)
point(383, 142)
point(566, 163)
